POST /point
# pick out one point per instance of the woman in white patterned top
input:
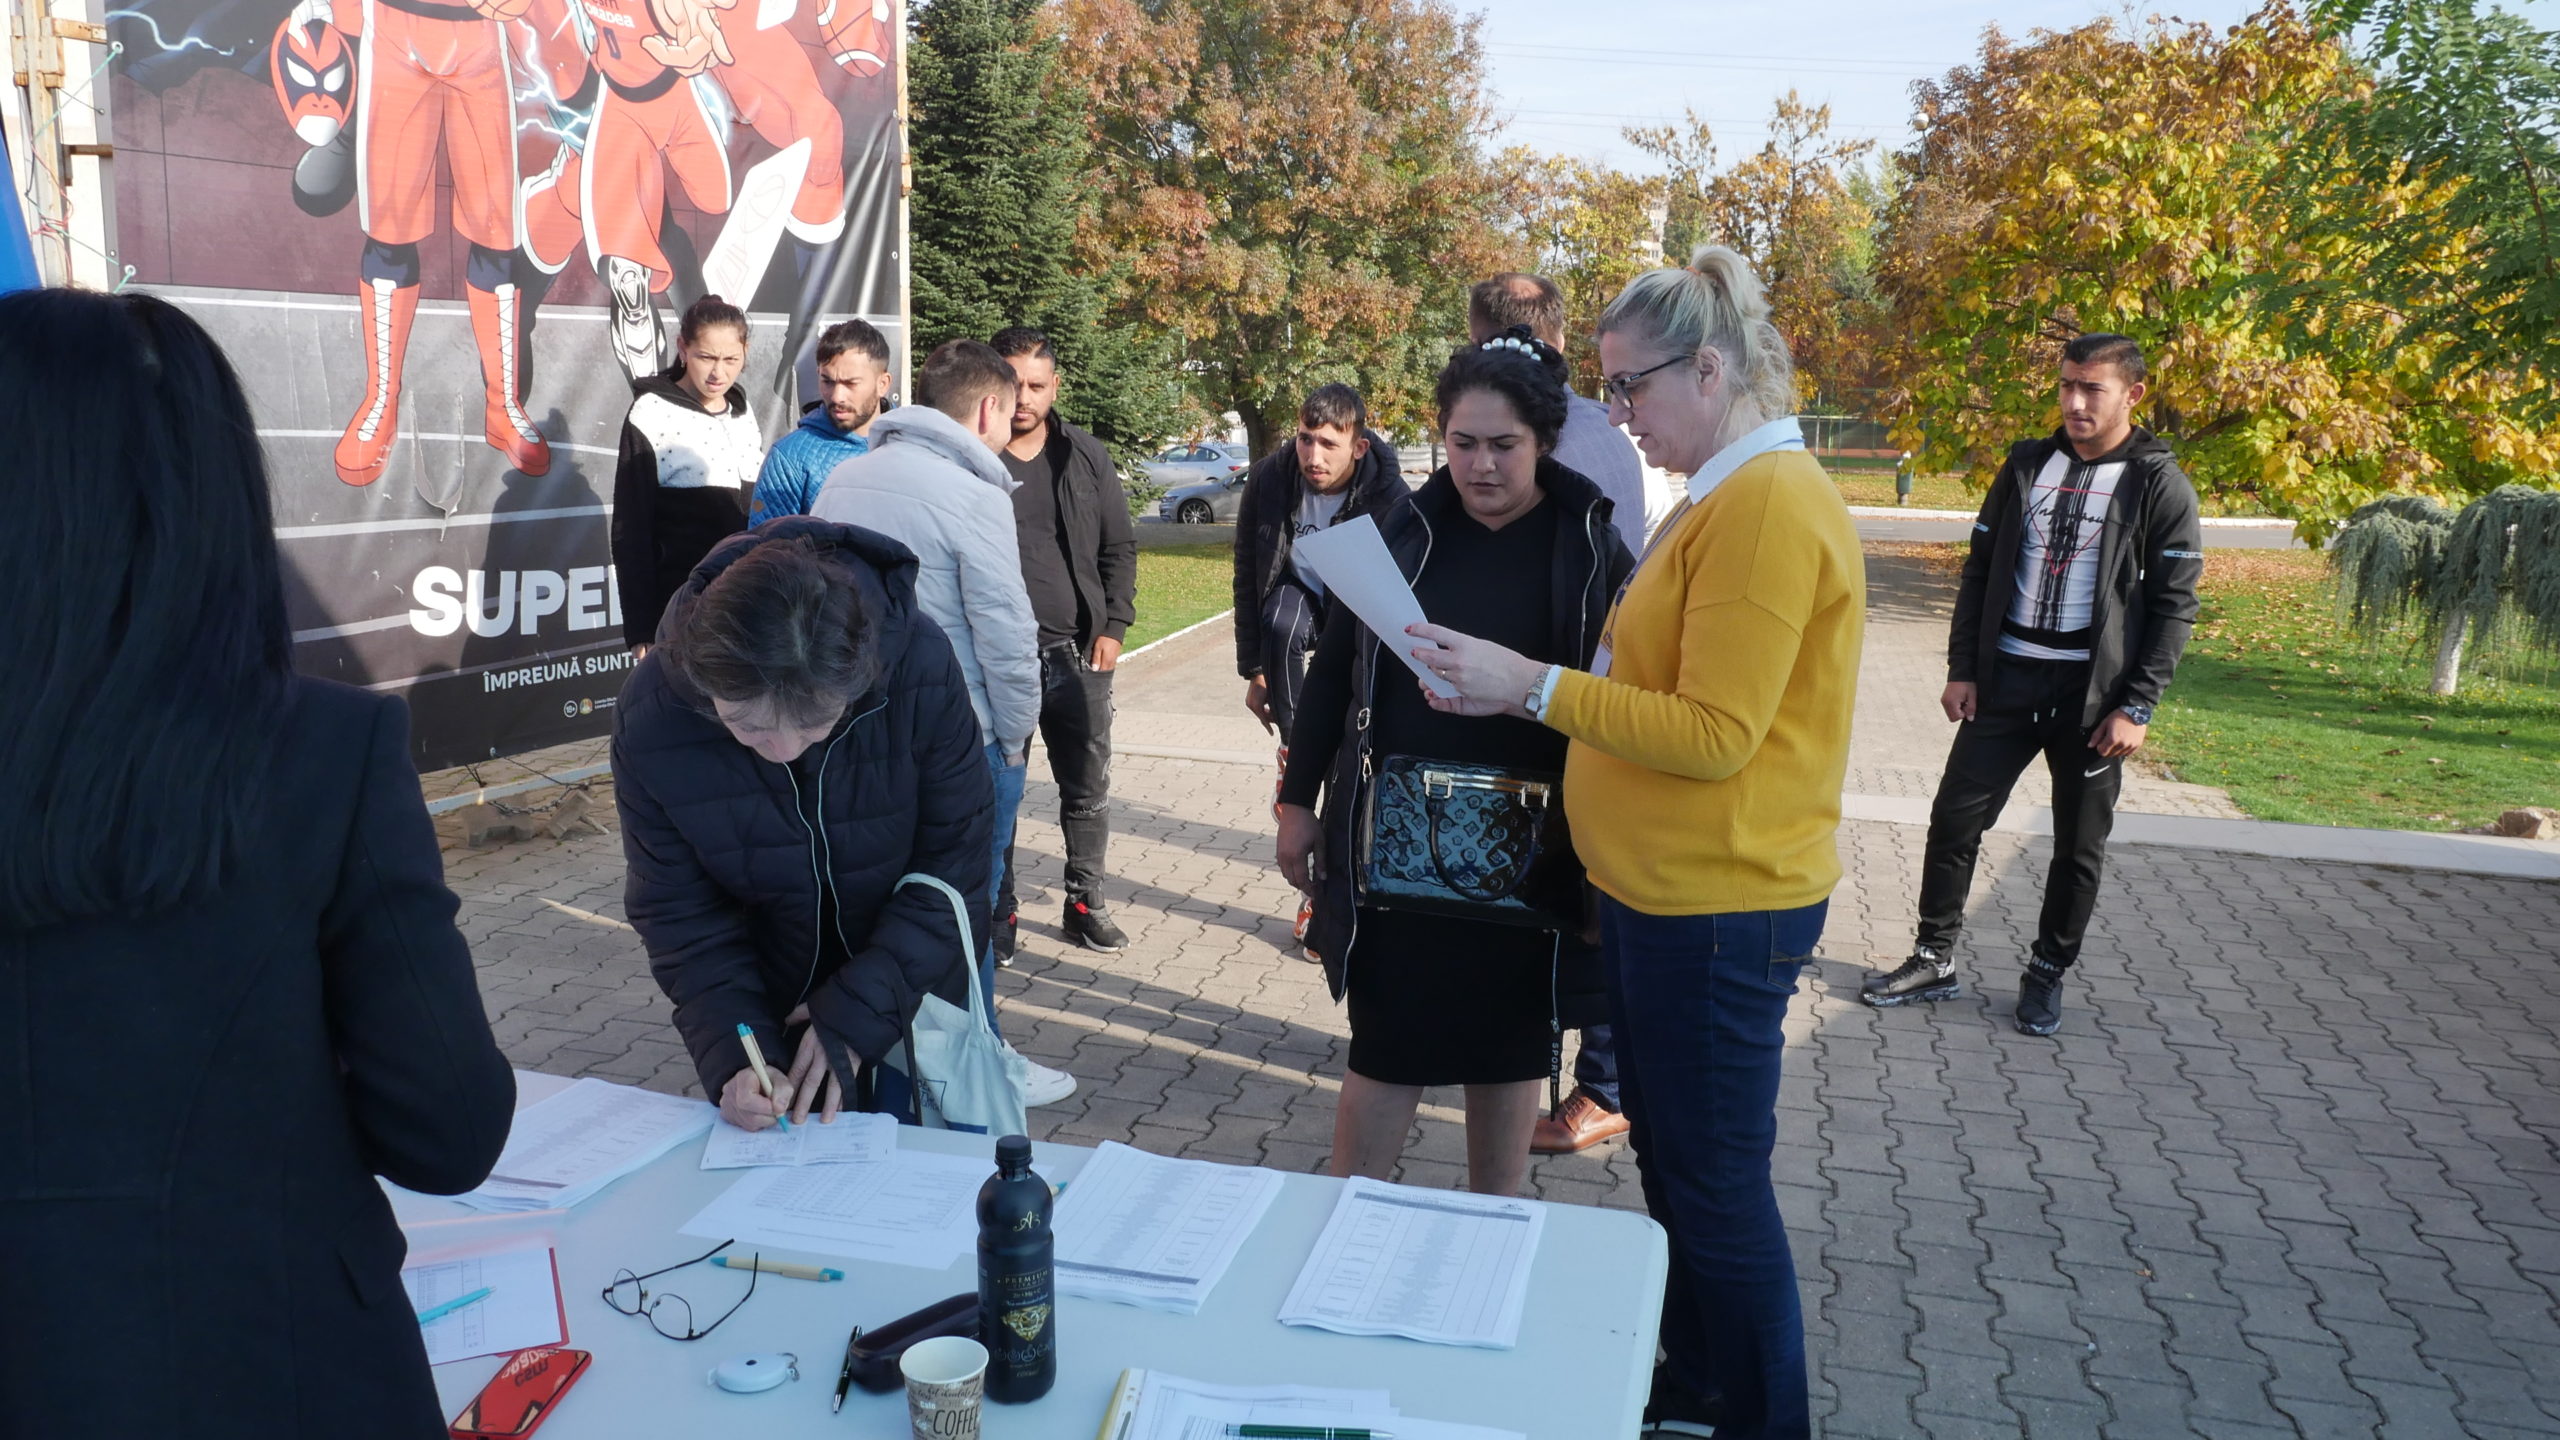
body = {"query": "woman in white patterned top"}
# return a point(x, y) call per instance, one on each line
point(691, 450)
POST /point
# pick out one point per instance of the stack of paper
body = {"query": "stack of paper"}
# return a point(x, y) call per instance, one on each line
point(1144, 1230)
point(522, 1309)
point(913, 1208)
point(567, 1147)
point(1431, 1265)
point(854, 1136)
point(1152, 1405)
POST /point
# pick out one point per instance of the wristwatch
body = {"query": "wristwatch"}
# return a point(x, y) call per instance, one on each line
point(1541, 691)
point(2138, 714)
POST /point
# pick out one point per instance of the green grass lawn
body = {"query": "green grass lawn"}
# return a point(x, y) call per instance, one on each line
point(1864, 486)
point(1180, 585)
point(2303, 721)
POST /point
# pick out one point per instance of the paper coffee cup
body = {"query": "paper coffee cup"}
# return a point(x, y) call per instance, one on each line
point(946, 1386)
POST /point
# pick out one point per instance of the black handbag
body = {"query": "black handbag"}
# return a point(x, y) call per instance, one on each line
point(1472, 842)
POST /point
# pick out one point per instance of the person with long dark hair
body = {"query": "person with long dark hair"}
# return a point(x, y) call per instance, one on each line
point(228, 963)
point(1522, 548)
point(691, 452)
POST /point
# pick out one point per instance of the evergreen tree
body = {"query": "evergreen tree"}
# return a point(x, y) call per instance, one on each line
point(999, 156)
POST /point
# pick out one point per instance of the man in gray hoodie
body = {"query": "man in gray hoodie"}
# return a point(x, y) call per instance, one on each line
point(931, 481)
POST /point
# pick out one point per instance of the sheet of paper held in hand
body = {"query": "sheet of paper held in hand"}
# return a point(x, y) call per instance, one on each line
point(522, 1309)
point(1153, 1232)
point(912, 1208)
point(1430, 1265)
point(855, 1136)
point(568, 1146)
point(1352, 560)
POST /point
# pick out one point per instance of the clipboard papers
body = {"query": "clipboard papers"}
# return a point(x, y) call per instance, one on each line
point(1434, 1265)
point(522, 1310)
point(1152, 1405)
point(566, 1147)
point(1144, 1230)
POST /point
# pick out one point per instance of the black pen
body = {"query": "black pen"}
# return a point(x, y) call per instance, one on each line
point(844, 1377)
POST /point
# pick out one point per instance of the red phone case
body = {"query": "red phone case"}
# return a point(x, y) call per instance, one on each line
point(521, 1395)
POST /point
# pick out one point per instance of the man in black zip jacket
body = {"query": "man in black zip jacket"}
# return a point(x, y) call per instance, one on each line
point(2078, 597)
point(1080, 566)
point(1336, 469)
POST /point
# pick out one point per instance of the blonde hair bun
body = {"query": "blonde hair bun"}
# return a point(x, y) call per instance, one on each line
point(1715, 302)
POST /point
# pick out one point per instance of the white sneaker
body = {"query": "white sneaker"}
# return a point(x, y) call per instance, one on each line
point(1042, 1085)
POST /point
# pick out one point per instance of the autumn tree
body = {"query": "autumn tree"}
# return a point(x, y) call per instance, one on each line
point(2466, 107)
point(1296, 185)
point(1800, 210)
point(999, 149)
point(1588, 227)
point(2148, 181)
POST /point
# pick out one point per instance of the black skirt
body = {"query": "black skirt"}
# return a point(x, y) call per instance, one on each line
point(1450, 1002)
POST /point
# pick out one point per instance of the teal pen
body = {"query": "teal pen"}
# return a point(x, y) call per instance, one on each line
point(438, 1312)
point(764, 1077)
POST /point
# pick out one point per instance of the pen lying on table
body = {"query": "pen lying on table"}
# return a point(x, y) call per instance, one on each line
point(784, 1268)
point(438, 1312)
point(1307, 1432)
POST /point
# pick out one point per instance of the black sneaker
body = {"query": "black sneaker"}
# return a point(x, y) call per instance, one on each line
point(1090, 926)
point(2040, 998)
point(1927, 975)
point(1008, 930)
point(1674, 1409)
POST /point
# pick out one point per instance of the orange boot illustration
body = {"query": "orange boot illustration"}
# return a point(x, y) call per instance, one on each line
point(388, 310)
point(495, 315)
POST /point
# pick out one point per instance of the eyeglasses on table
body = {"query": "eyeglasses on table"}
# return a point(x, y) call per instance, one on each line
point(668, 1313)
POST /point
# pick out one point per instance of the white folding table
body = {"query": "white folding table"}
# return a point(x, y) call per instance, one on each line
point(1580, 1371)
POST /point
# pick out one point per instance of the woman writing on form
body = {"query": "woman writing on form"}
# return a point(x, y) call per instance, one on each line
point(1709, 739)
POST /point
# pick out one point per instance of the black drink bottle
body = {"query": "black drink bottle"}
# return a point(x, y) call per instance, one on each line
point(1017, 1288)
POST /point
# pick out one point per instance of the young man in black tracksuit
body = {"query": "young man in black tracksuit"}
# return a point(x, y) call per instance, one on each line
point(2078, 597)
point(1080, 566)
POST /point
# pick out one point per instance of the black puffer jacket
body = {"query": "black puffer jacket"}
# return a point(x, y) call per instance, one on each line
point(729, 882)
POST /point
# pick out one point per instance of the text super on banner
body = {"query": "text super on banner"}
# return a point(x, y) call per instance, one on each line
point(439, 240)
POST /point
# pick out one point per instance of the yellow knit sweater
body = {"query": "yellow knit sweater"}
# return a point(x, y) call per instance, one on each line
point(1705, 772)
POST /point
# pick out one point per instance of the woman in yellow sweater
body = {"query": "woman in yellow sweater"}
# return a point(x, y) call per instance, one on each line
point(1709, 740)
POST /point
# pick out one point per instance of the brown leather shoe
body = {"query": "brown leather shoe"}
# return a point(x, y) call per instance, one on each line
point(1578, 1124)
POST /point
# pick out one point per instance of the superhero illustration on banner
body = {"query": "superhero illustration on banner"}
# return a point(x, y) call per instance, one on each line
point(388, 211)
point(431, 80)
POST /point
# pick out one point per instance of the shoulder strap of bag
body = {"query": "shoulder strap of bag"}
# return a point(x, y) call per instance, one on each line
point(960, 915)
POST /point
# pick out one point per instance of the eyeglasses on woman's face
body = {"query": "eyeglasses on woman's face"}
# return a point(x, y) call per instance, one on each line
point(1623, 388)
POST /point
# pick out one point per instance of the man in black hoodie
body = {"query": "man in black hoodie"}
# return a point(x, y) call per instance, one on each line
point(1336, 469)
point(2078, 597)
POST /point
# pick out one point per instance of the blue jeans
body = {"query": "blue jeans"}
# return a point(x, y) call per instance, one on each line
point(1008, 780)
point(1699, 1002)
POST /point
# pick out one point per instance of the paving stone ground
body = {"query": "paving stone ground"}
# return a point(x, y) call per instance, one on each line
point(2292, 1167)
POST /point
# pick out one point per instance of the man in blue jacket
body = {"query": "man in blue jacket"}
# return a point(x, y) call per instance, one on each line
point(853, 380)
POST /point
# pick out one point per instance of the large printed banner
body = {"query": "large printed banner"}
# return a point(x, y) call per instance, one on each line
point(439, 239)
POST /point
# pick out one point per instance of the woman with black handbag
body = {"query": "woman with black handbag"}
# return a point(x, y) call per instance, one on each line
point(1447, 900)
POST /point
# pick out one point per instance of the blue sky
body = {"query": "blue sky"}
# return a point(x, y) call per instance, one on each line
point(1569, 74)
